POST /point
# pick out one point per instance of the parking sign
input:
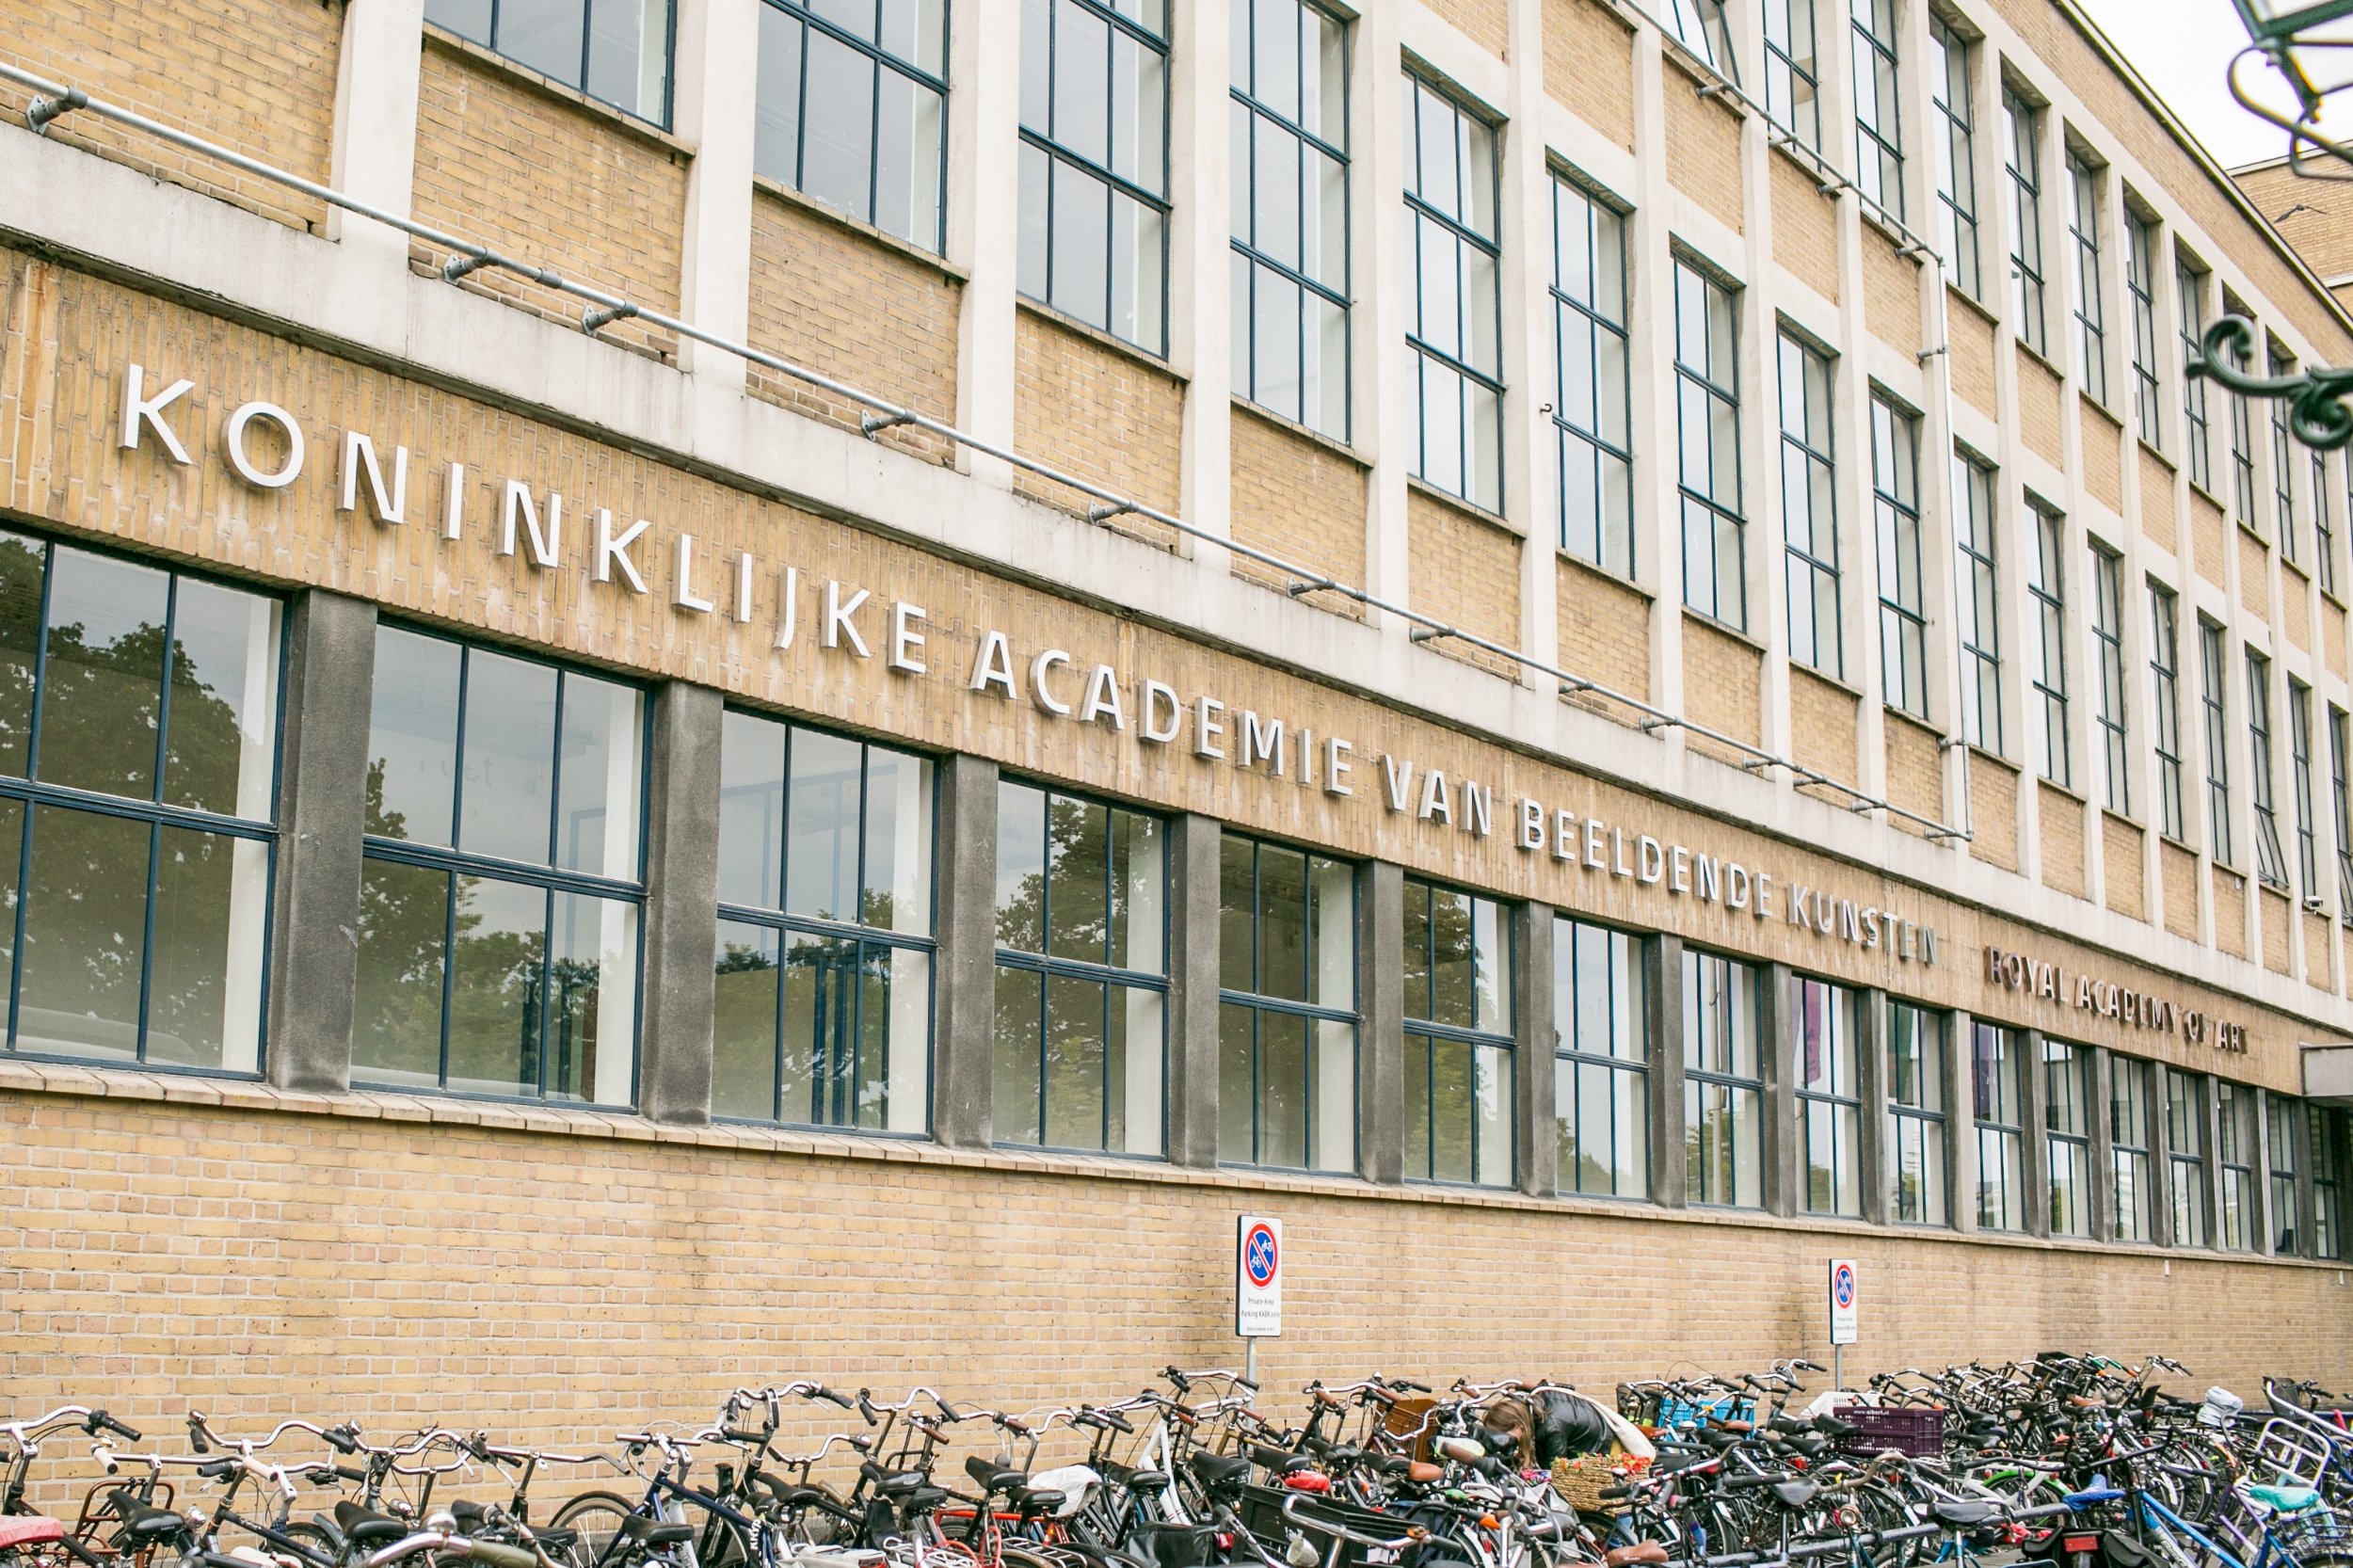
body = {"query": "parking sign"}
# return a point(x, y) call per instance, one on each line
point(1258, 1277)
point(1844, 1322)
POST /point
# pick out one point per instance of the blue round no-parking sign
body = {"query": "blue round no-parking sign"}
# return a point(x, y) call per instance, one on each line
point(1260, 1257)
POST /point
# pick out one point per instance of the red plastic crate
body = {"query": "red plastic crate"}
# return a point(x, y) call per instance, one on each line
point(1909, 1430)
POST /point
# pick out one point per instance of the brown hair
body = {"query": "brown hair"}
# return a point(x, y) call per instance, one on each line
point(1514, 1415)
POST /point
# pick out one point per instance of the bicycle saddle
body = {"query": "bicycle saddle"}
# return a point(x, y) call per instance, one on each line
point(366, 1527)
point(992, 1477)
point(1148, 1481)
point(1639, 1555)
point(2287, 1497)
point(147, 1523)
point(1831, 1426)
point(29, 1531)
point(1965, 1513)
point(1216, 1471)
point(656, 1532)
point(1040, 1500)
point(1793, 1494)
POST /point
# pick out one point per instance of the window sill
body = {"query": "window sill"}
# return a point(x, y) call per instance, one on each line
point(1907, 716)
point(2183, 844)
point(2122, 819)
point(2039, 357)
point(1972, 305)
point(1979, 753)
point(2149, 451)
point(1330, 444)
point(489, 59)
point(1603, 574)
point(897, 245)
point(1725, 627)
point(1415, 485)
point(1156, 363)
point(2248, 529)
point(1799, 667)
point(2200, 493)
point(2095, 406)
point(2303, 576)
point(2068, 790)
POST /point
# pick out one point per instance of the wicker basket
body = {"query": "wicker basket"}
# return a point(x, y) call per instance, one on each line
point(1410, 1415)
point(1580, 1481)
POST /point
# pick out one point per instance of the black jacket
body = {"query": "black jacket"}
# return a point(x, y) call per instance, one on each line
point(1566, 1428)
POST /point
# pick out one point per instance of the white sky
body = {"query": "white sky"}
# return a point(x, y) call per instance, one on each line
point(2184, 49)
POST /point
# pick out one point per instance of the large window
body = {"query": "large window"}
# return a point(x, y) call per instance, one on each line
point(2327, 1147)
point(2091, 320)
point(2271, 865)
point(1454, 330)
point(2284, 466)
point(824, 969)
point(502, 895)
point(1877, 118)
point(1094, 164)
point(1289, 169)
point(1976, 597)
point(1589, 402)
point(2047, 648)
point(2185, 1127)
point(2066, 1136)
point(1956, 156)
point(2164, 708)
point(2196, 435)
point(1809, 509)
point(1601, 1082)
point(2324, 526)
point(138, 755)
point(2132, 1133)
point(2107, 642)
point(2211, 659)
point(1707, 419)
point(2235, 1144)
point(1916, 1115)
point(1723, 1087)
point(1286, 1007)
point(1699, 27)
point(2241, 447)
point(617, 51)
point(2300, 783)
point(1792, 86)
point(2341, 803)
point(1996, 1071)
point(853, 109)
point(2020, 123)
point(1081, 973)
point(1830, 1102)
point(2140, 248)
point(1458, 1037)
point(1896, 517)
point(2284, 1143)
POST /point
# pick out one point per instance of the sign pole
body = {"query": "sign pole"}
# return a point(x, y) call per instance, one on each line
point(1845, 1317)
point(1257, 1285)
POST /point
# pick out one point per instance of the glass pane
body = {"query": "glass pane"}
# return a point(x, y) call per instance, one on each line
point(212, 922)
point(544, 34)
point(1135, 1071)
point(1078, 845)
point(751, 807)
point(496, 977)
point(85, 934)
point(743, 1023)
point(1020, 868)
point(1284, 1090)
point(1493, 1006)
point(838, 127)
point(1451, 1110)
point(898, 893)
point(1452, 958)
point(1138, 917)
point(21, 566)
point(1014, 1072)
point(221, 751)
point(1075, 1052)
point(592, 979)
point(1237, 961)
point(1283, 923)
point(1237, 1084)
point(1332, 926)
point(412, 737)
point(1080, 263)
point(603, 765)
point(1333, 1086)
point(103, 689)
point(776, 117)
point(821, 827)
point(507, 796)
point(1490, 1110)
point(403, 952)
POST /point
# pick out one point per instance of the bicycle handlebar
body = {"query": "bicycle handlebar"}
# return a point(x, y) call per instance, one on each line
point(496, 1554)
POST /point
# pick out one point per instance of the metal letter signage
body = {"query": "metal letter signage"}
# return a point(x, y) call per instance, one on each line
point(1258, 1277)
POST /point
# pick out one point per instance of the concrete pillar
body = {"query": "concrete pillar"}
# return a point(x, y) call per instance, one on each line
point(1200, 253)
point(2103, 1184)
point(1876, 1160)
point(1192, 955)
point(681, 903)
point(2034, 1142)
point(1961, 1146)
point(322, 811)
point(2260, 1225)
point(714, 107)
point(1669, 1159)
point(1533, 1032)
point(964, 997)
point(1381, 1043)
point(2160, 1159)
point(2300, 1139)
point(1780, 1146)
point(375, 151)
point(2211, 1108)
point(983, 224)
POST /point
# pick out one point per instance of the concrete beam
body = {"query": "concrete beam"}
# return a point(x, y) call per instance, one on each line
point(965, 995)
point(1380, 998)
point(1537, 1169)
point(1192, 974)
point(681, 903)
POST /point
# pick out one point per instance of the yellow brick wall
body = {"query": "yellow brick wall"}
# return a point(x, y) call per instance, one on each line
point(2320, 939)
point(556, 1288)
point(2156, 498)
point(2276, 913)
point(1891, 292)
point(1805, 226)
point(2254, 575)
point(1993, 811)
point(1916, 776)
point(537, 170)
point(2120, 867)
point(2332, 636)
point(1722, 682)
point(2060, 823)
point(1822, 726)
point(1098, 412)
point(855, 308)
point(1604, 628)
point(1589, 65)
point(1483, 22)
point(2207, 530)
point(2230, 911)
point(1973, 336)
point(2103, 456)
point(2177, 879)
point(1300, 499)
point(1465, 570)
point(1702, 146)
point(2040, 407)
point(255, 75)
point(2313, 216)
point(2296, 609)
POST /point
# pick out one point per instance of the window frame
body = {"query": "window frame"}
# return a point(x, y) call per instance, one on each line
point(2021, 125)
point(1978, 602)
point(1999, 1128)
point(1698, 1080)
point(1919, 1113)
point(1783, 73)
point(1505, 1041)
point(1613, 537)
point(2289, 525)
point(812, 18)
point(1896, 514)
point(1419, 210)
point(2140, 248)
point(2186, 1172)
point(2091, 301)
point(587, 38)
point(2165, 677)
point(2196, 434)
point(1803, 559)
point(2300, 787)
point(2325, 1128)
point(1956, 155)
point(1258, 1003)
point(2046, 586)
point(2111, 713)
point(1879, 180)
point(1840, 1106)
point(1720, 401)
point(1572, 1058)
point(2062, 1060)
point(2131, 1096)
point(2341, 801)
point(2213, 697)
point(2238, 1144)
point(2271, 865)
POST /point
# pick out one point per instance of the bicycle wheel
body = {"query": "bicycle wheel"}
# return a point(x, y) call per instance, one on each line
point(595, 1519)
